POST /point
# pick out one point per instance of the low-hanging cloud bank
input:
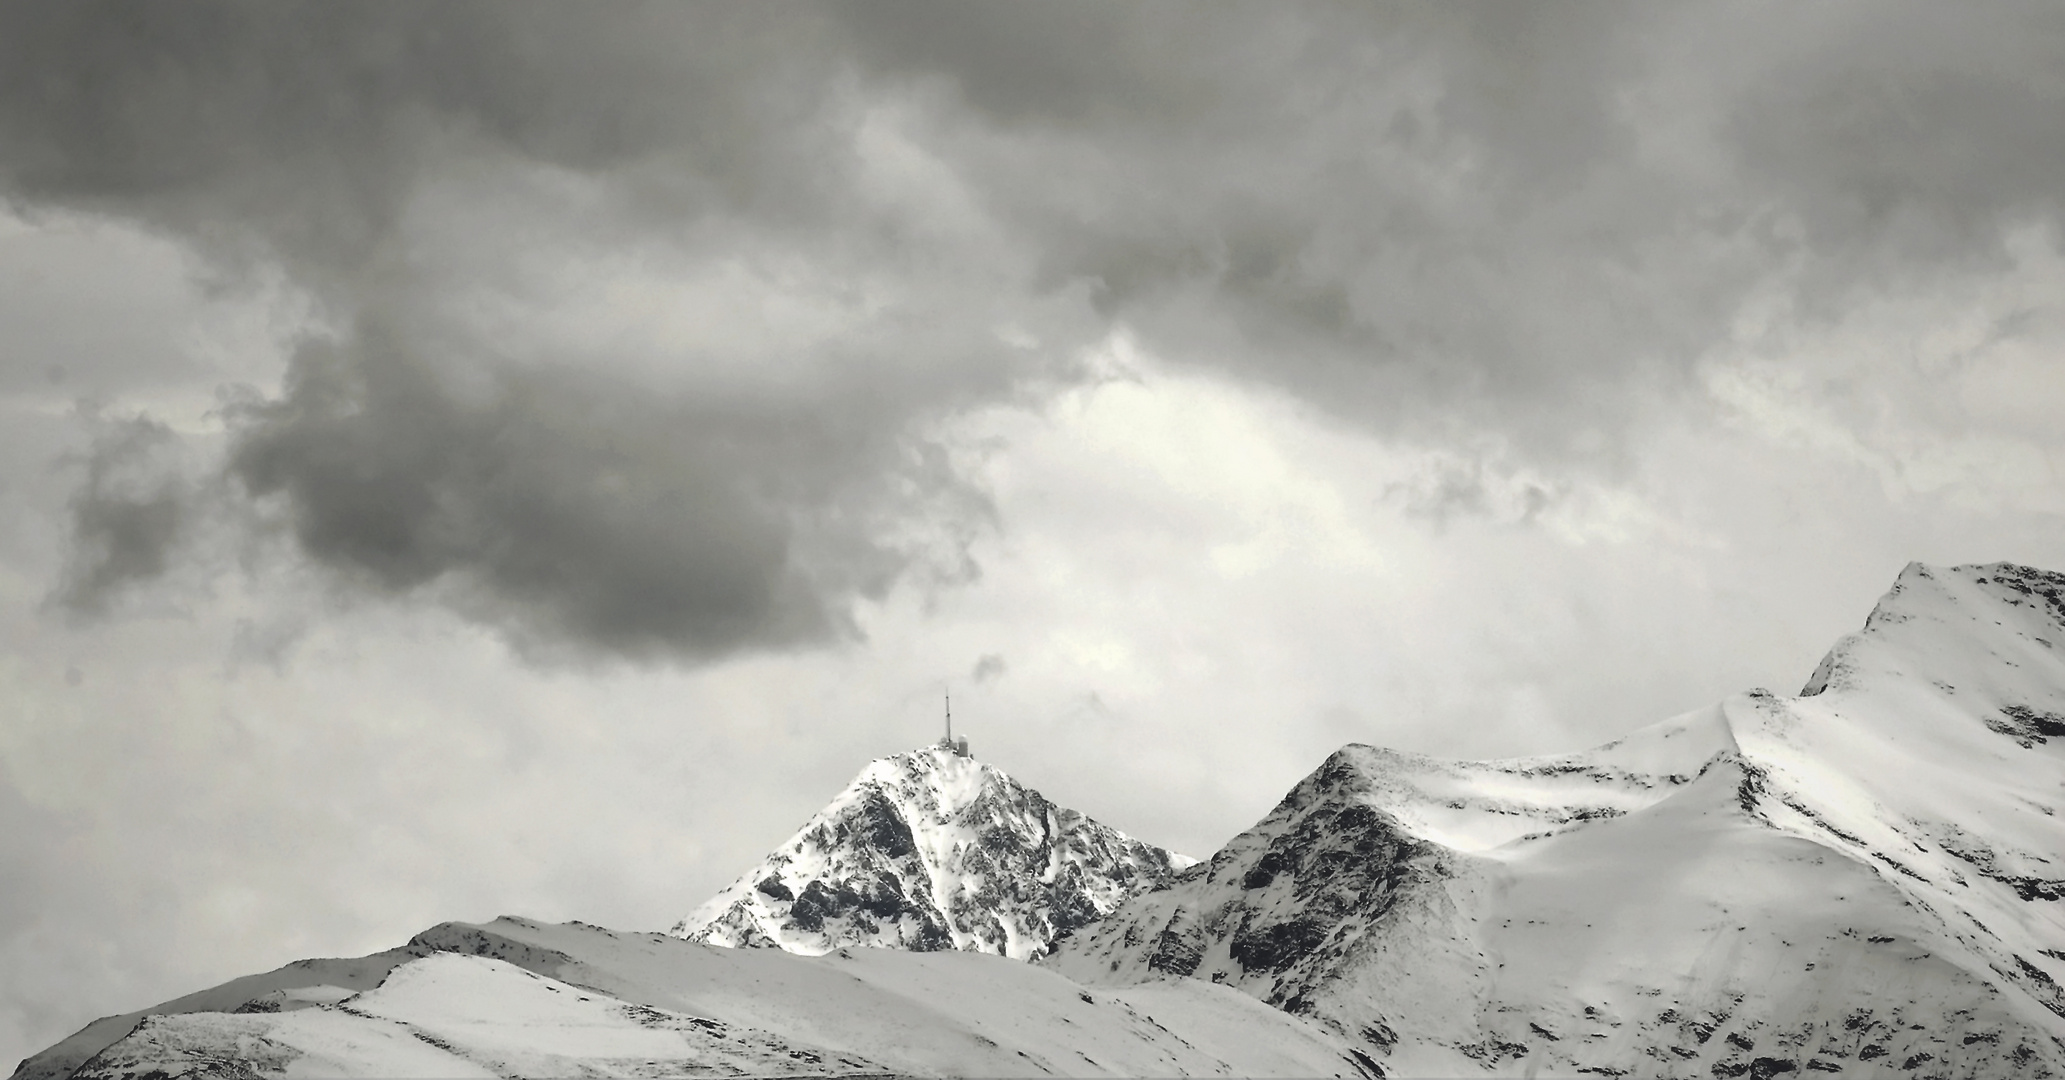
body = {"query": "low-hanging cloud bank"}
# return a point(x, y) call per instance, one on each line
point(631, 326)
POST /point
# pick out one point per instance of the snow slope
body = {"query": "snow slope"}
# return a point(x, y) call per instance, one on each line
point(1862, 879)
point(285, 989)
point(930, 850)
point(517, 998)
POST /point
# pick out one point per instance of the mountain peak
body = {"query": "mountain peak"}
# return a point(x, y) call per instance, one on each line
point(935, 758)
point(1954, 625)
point(931, 849)
point(1867, 873)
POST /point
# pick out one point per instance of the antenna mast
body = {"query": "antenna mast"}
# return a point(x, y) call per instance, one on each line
point(958, 749)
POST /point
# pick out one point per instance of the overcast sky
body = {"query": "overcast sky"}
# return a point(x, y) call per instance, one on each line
point(467, 459)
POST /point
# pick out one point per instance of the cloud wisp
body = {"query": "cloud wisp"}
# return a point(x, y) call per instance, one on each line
point(128, 514)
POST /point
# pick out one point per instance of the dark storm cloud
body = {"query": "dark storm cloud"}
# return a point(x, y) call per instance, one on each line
point(127, 514)
point(310, 125)
point(585, 509)
point(1440, 221)
point(1915, 134)
point(1400, 211)
point(1526, 218)
point(564, 507)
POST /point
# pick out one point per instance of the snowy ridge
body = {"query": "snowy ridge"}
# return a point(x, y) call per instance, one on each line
point(1863, 879)
point(930, 850)
point(519, 998)
point(283, 989)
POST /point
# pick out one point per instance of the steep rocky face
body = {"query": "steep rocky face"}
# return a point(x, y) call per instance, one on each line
point(928, 850)
point(1353, 902)
point(1864, 879)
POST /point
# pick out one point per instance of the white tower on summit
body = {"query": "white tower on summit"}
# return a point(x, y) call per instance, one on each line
point(957, 747)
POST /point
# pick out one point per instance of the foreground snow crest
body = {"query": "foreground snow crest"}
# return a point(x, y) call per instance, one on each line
point(1862, 880)
point(519, 998)
point(930, 850)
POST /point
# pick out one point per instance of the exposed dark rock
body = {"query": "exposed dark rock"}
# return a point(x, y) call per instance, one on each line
point(2030, 727)
point(1492, 1050)
point(2030, 888)
point(1278, 946)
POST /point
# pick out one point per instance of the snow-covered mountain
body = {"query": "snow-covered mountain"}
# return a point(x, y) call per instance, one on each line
point(932, 849)
point(518, 998)
point(1863, 879)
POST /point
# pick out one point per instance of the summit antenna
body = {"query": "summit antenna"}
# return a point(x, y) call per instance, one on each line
point(957, 747)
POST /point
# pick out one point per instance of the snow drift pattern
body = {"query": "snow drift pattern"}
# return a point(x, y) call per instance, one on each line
point(929, 850)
